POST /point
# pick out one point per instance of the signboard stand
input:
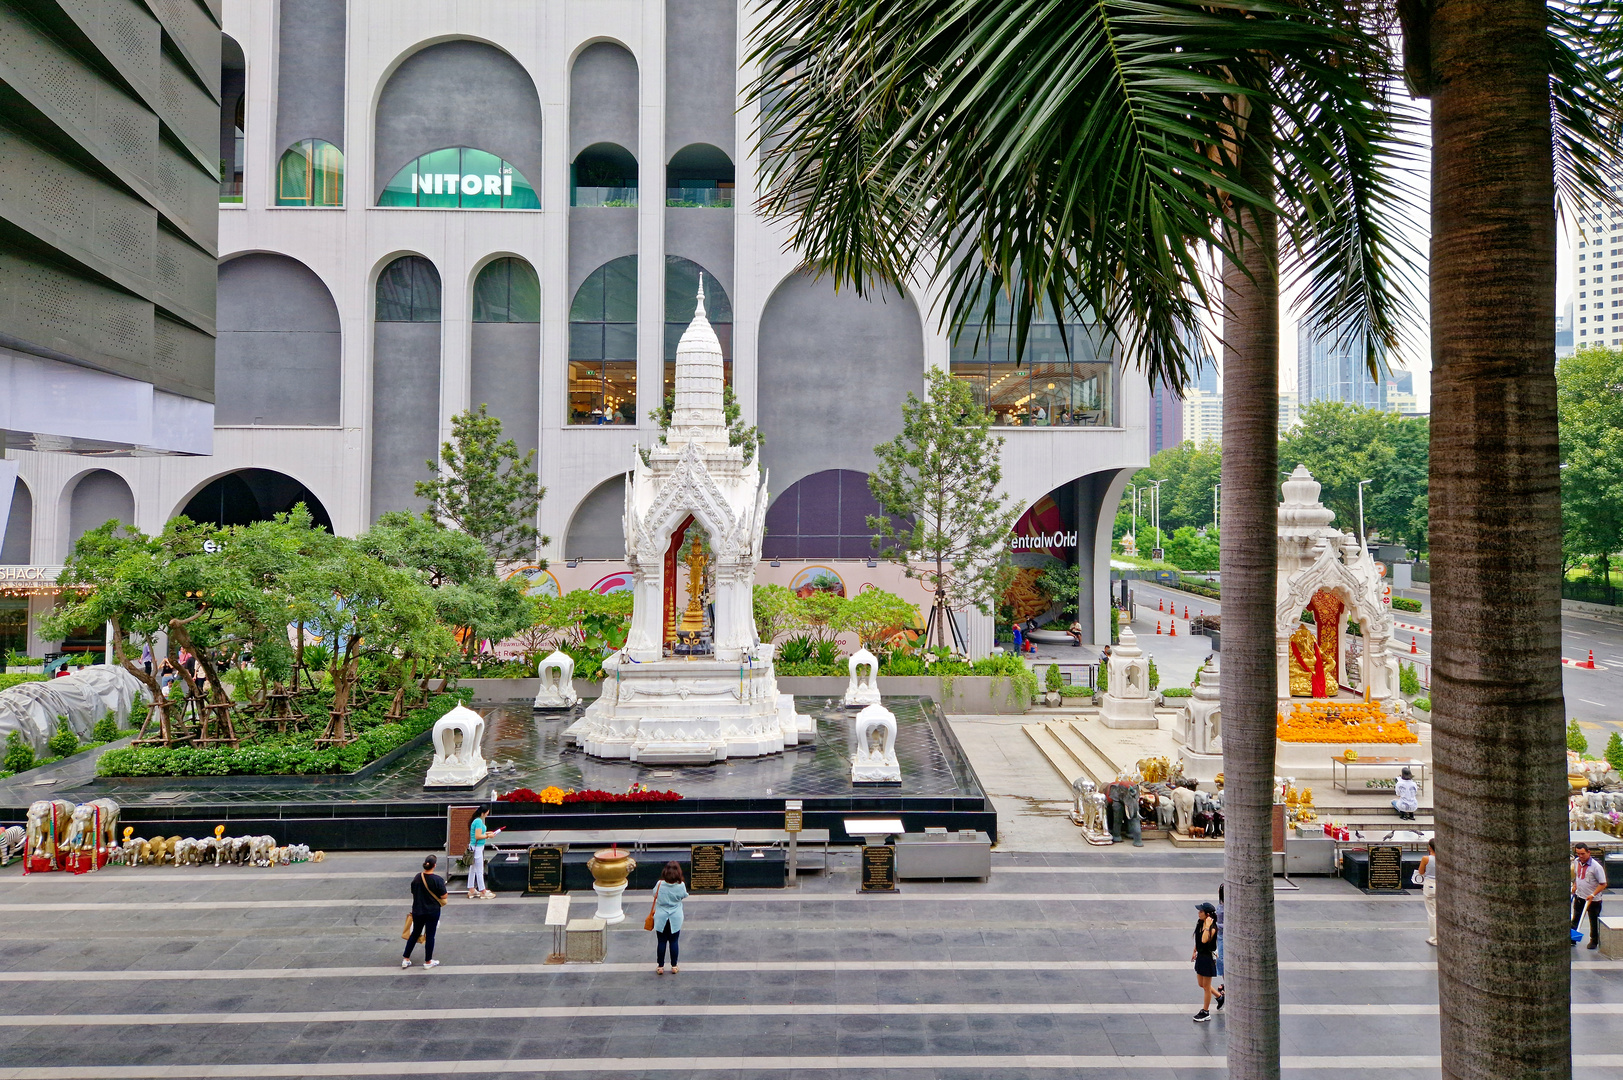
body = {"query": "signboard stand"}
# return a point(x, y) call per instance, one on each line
point(709, 868)
point(1280, 840)
point(557, 918)
point(793, 817)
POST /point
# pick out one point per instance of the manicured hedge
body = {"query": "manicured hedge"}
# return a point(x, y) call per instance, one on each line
point(8, 679)
point(1178, 691)
point(1403, 603)
point(279, 755)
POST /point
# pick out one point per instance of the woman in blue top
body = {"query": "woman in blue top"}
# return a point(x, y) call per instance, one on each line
point(476, 856)
point(668, 897)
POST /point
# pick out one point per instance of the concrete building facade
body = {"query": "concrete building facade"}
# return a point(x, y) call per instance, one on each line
point(427, 207)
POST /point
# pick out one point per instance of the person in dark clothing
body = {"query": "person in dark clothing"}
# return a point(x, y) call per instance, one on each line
point(428, 895)
point(1205, 957)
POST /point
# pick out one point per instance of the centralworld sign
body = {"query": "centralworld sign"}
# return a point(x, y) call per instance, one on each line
point(1043, 541)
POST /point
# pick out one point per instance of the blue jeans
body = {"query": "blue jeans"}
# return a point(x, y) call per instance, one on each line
point(1220, 954)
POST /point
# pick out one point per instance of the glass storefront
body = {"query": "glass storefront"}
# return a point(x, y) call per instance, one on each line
point(311, 173)
point(460, 177)
point(1048, 387)
point(13, 625)
point(603, 346)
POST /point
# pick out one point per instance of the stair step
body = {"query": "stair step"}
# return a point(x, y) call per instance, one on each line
point(1115, 767)
point(1096, 765)
point(1053, 752)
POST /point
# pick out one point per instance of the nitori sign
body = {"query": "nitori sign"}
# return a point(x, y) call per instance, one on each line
point(1043, 541)
point(460, 184)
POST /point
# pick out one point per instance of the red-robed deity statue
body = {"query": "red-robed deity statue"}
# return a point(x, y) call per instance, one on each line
point(1313, 658)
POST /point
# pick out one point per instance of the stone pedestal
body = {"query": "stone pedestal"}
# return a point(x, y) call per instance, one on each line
point(1202, 751)
point(557, 674)
point(610, 868)
point(458, 758)
point(1127, 702)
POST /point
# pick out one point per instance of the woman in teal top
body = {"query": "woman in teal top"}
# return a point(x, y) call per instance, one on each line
point(668, 897)
point(477, 835)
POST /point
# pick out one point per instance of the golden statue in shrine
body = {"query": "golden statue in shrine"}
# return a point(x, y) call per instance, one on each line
point(1313, 655)
point(693, 617)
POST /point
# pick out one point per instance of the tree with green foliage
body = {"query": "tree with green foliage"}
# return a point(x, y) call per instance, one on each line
point(1589, 395)
point(1342, 443)
point(106, 729)
point(1188, 549)
point(484, 487)
point(1190, 474)
point(774, 611)
point(873, 616)
point(1576, 740)
point(65, 741)
point(1061, 582)
point(739, 433)
point(19, 755)
point(1614, 751)
point(1408, 679)
point(944, 519)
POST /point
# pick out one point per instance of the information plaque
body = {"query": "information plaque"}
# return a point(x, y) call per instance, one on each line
point(545, 872)
point(1386, 868)
point(793, 817)
point(709, 868)
point(879, 868)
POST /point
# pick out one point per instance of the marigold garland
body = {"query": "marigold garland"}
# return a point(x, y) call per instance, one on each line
point(1335, 722)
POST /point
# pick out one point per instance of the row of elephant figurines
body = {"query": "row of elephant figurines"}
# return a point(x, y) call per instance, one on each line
point(1159, 804)
point(56, 826)
point(210, 850)
point(1597, 811)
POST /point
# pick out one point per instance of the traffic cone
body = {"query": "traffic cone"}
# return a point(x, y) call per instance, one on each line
point(1157, 626)
point(1590, 663)
point(1163, 606)
point(1174, 624)
point(1414, 645)
point(1186, 612)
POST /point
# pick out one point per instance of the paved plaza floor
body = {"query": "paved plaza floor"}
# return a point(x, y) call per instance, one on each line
point(1071, 964)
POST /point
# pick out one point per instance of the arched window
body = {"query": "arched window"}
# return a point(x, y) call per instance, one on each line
point(1048, 387)
point(699, 175)
point(460, 177)
point(409, 291)
point(506, 291)
point(603, 346)
point(681, 288)
point(232, 119)
point(603, 175)
point(311, 173)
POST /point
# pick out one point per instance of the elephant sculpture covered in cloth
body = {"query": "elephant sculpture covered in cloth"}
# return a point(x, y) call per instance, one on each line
point(93, 827)
point(48, 821)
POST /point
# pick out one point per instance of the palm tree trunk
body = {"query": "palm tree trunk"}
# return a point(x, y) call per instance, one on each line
point(1498, 740)
point(1248, 548)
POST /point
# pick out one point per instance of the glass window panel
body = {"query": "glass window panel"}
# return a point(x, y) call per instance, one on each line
point(394, 292)
point(585, 341)
point(522, 196)
point(481, 183)
point(490, 292)
point(620, 290)
point(588, 303)
point(620, 341)
point(293, 179)
point(524, 292)
point(425, 291)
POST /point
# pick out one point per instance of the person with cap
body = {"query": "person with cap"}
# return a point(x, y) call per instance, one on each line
point(1408, 792)
point(1588, 882)
point(1205, 958)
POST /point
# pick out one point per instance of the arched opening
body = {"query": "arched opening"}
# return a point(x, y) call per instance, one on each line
point(681, 289)
point(603, 345)
point(99, 497)
point(1048, 386)
point(405, 381)
point(17, 546)
point(603, 174)
point(249, 495)
point(449, 101)
point(311, 173)
point(278, 356)
point(506, 348)
point(597, 531)
point(233, 122)
point(699, 175)
point(822, 516)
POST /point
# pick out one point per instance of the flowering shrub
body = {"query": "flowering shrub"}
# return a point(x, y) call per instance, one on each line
point(1323, 722)
point(555, 796)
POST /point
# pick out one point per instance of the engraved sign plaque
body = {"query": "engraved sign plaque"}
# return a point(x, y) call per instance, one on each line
point(709, 868)
point(879, 868)
point(1386, 868)
point(545, 871)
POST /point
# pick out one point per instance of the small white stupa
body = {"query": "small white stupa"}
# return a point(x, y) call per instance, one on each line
point(721, 699)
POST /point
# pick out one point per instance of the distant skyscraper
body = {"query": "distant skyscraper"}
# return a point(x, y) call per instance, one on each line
point(1289, 412)
point(1564, 340)
point(1203, 409)
point(1166, 418)
point(1596, 277)
point(1328, 369)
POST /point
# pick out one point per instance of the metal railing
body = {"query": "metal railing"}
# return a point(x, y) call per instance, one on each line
point(700, 197)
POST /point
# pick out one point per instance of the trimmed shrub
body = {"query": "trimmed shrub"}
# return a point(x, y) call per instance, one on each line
point(1155, 677)
point(1422, 703)
point(1178, 691)
point(1576, 742)
point(1403, 603)
point(1614, 751)
point(1053, 680)
point(1408, 679)
point(106, 729)
point(19, 755)
point(65, 741)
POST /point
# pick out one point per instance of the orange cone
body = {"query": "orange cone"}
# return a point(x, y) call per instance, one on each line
point(1174, 624)
point(1591, 662)
point(1414, 645)
point(1186, 611)
point(1157, 626)
point(1163, 606)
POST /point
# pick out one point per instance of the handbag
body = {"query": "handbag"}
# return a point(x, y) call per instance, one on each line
point(1417, 878)
point(405, 932)
point(648, 923)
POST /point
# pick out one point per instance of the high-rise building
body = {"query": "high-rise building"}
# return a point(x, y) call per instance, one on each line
point(1289, 412)
point(1400, 394)
point(1329, 368)
point(1596, 266)
point(1203, 409)
point(428, 207)
point(109, 114)
point(1565, 328)
point(1166, 418)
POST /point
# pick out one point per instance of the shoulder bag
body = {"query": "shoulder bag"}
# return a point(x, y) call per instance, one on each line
point(648, 923)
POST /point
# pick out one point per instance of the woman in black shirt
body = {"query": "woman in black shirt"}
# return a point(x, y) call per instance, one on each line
point(1205, 958)
point(427, 897)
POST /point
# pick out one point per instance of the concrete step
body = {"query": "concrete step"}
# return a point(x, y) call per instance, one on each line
point(1113, 766)
point(1051, 750)
point(1097, 765)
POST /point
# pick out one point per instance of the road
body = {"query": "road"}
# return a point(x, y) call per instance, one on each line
point(1595, 697)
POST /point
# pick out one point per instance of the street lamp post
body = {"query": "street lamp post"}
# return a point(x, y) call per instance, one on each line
point(1155, 509)
point(1217, 523)
point(1361, 541)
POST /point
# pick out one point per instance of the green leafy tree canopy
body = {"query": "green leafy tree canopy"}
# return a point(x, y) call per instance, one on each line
point(485, 488)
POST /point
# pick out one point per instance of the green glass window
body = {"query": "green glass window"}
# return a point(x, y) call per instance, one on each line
point(507, 291)
point(603, 346)
point(681, 288)
point(460, 177)
point(409, 291)
point(311, 173)
point(1049, 386)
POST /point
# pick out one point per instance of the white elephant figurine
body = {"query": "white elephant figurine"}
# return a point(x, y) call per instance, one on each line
point(873, 747)
point(557, 673)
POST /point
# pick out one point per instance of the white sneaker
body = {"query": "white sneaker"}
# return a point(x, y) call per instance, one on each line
point(432, 963)
point(405, 963)
point(487, 895)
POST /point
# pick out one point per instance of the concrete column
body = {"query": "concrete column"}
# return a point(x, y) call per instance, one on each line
point(1096, 513)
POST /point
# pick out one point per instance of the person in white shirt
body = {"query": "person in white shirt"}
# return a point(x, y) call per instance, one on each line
point(1408, 792)
point(1588, 882)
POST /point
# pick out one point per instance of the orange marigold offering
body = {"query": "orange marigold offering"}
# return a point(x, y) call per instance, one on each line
point(1342, 722)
